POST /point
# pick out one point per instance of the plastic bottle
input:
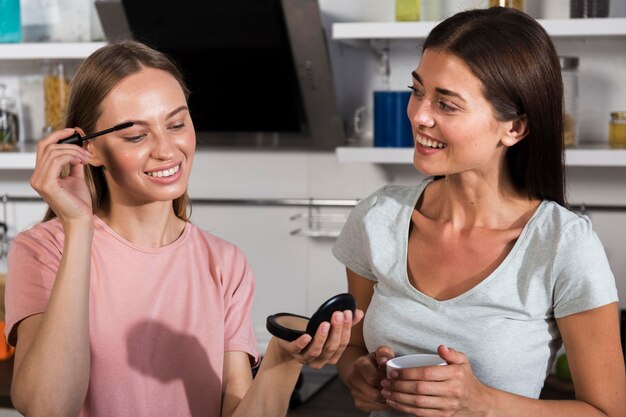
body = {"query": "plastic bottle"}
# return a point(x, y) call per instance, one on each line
point(10, 21)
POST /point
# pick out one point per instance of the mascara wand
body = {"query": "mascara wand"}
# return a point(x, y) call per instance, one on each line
point(76, 139)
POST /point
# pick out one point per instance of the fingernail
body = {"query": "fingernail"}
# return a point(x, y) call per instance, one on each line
point(393, 374)
point(385, 393)
point(385, 384)
point(347, 315)
point(338, 318)
point(325, 328)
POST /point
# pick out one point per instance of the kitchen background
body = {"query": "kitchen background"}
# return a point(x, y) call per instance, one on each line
point(284, 207)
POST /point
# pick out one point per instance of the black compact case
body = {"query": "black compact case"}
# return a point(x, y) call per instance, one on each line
point(277, 325)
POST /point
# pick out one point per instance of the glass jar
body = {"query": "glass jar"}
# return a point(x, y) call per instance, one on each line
point(56, 91)
point(589, 8)
point(617, 130)
point(569, 73)
point(9, 126)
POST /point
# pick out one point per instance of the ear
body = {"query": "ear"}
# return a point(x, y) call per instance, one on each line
point(95, 159)
point(517, 130)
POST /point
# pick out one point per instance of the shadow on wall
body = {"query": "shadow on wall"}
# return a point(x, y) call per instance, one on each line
point(158, 351)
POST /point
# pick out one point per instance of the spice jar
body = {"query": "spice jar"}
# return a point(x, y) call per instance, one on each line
point(9, 127)
point(56, 92)
point(569, 74)
point(617, 130)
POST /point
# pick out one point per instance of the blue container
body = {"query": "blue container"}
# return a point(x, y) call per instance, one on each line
point(10, 23)
point(392, 127)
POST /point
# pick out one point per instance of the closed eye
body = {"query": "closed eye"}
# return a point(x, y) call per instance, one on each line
point(177, 126)
point(446, 107)
point(134, 138)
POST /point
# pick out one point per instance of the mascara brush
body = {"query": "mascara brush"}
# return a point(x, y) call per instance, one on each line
point(76, 139)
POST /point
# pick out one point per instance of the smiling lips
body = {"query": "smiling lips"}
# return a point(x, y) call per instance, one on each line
point(429, 143)
point(164, 173)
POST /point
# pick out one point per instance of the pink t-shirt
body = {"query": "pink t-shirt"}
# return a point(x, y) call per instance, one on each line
point(160, 319)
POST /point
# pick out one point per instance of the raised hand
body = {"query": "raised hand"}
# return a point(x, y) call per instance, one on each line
point(67, 195)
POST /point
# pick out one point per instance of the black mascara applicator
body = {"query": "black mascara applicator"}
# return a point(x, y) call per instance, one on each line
point(76, 139)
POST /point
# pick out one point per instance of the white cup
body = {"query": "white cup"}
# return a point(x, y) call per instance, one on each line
point(414, 361)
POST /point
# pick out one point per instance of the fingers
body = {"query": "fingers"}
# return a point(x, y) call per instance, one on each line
point(358, 316)
point(423, 398)
point(50, 164)
point(348, 322)
point(383, 354)
point(364, 383)
point(330, 340)
point(416, 387)
point(451, 356)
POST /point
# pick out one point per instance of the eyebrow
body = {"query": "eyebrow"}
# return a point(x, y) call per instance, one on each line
point(170, 114)
point(439, 90)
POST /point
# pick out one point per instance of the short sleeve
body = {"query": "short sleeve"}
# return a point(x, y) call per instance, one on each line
point(582, 274)
point(238, 299)
point(351, 247)
point(33, 262)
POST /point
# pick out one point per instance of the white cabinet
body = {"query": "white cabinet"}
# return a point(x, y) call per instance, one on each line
point(600, 44)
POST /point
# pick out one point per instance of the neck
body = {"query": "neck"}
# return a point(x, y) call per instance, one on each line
point(469, 200)
point(150, 225)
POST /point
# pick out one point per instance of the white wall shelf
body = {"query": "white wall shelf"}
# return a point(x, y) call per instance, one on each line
point(557, 28)
point(48, 50)
point(592, 157)
point(17, 160)
point(600, 157)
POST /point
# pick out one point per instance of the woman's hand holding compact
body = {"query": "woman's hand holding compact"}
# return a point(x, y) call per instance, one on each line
point(68, 196)
point(450, 390)
point(329, 342)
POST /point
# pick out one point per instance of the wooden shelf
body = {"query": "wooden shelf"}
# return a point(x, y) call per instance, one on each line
point(557, 28)
point(581, 157)
point(48, 50)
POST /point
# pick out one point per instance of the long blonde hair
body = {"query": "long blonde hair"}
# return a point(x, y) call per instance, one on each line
point(95, 78)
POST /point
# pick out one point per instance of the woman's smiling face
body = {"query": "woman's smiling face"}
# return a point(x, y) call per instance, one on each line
point(454, 126)
point(150, 161)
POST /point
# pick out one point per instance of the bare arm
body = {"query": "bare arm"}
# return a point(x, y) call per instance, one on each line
point(359, 370)
point(362, 290)
point(269, 393)
point(594, 354)
point(51, 372)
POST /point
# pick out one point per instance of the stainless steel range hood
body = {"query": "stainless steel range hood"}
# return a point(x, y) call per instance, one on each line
point(268, 82)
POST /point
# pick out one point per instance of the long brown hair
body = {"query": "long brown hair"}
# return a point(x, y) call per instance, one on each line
point(516, 61)
point(95, 78)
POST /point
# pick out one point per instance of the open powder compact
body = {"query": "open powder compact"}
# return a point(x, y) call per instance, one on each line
point(289, 326)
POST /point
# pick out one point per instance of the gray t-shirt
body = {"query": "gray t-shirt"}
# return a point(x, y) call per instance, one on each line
point(505, 324)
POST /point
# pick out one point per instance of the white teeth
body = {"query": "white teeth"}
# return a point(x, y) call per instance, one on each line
point(429, 142)
point(164, 173)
